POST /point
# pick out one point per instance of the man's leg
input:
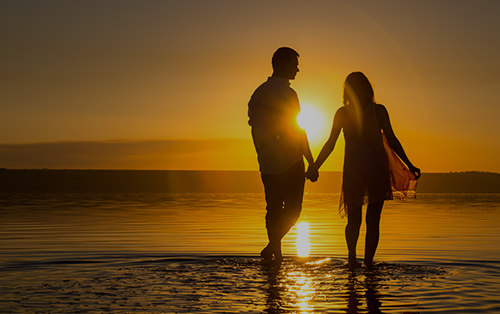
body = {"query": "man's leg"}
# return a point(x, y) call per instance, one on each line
point(273, 188)
point(293, 183)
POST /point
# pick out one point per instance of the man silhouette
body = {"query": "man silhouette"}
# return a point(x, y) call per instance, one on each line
point(280, 144)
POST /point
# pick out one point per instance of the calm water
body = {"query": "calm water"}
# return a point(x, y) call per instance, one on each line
point(197, 253)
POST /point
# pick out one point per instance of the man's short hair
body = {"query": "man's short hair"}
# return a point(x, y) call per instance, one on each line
point(282, 56)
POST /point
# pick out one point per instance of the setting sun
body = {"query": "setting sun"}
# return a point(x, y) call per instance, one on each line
point(313, 121)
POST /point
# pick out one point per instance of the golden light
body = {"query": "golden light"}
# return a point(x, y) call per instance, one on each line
point(301, 290)
point(303, 245)
point(313, 121)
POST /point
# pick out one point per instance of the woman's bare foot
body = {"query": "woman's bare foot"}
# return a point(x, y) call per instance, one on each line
point(353, 263)
point(369, 265)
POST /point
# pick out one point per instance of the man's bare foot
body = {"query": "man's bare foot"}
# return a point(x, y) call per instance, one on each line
point(277, 253)
point(267, 253)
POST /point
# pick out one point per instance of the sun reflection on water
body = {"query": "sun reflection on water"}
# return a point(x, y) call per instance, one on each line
point(303, 245)
point(318, 262)
point(300, 285)
point(300, 290)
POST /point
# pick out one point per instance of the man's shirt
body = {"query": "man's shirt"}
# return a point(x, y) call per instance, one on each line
point(273, 110)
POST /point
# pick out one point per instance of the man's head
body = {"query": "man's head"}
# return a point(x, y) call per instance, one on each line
point(285, 63)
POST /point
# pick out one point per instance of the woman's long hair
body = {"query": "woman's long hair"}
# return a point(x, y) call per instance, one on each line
point(358, 90)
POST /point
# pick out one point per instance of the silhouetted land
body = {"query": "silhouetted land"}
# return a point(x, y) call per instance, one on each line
point(146, 181)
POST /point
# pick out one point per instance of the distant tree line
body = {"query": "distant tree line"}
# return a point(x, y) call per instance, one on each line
point(165, 181)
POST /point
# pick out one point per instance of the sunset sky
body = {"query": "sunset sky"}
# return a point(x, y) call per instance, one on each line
point(165, 84)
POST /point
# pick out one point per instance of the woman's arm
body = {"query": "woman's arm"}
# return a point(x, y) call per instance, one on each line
point(385, 124)
point(327, 149)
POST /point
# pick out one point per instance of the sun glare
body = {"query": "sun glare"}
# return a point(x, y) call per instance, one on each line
point(312, 120)
point(303, 245)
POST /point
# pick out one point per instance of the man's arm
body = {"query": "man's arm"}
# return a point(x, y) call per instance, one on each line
point(306, 150)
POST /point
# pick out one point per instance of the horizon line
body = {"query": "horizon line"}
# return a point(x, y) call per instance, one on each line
point(207, 170)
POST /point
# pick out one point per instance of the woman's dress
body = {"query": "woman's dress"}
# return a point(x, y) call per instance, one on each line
point(372, 170)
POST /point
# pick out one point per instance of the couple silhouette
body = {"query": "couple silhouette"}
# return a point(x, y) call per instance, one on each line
point(376, 167)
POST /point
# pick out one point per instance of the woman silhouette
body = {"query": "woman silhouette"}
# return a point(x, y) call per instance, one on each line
point(373, 171)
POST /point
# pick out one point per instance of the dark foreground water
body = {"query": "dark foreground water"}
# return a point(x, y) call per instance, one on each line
point(197, 253)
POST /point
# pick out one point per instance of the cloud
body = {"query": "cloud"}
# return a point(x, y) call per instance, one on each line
point(227, 154)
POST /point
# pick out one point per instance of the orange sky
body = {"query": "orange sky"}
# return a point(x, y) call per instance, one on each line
point(165, 84)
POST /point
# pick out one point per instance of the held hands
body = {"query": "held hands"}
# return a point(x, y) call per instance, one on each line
point(312, 173)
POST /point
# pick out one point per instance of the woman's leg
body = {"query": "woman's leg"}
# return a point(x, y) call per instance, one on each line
point(352, 234)
point(372, 231)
